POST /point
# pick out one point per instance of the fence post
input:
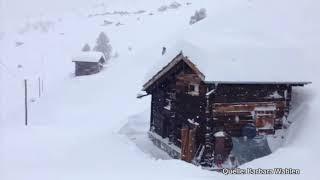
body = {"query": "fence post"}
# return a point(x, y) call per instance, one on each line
point(26, 101)
point(39, 84)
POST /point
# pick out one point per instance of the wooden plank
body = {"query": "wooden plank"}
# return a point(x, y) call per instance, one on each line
point(244, 106)
point(191, 146)
point(184, 144)
point(188, 138)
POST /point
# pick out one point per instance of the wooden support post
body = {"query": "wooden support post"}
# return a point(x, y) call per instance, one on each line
point(152, 113)
point(41, 85)
point(208, 150)
point(26, 101)
point(184, 143)
point(191, 144)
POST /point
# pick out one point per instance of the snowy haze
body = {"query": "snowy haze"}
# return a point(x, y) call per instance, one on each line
point(14, 12)
point(93, 127)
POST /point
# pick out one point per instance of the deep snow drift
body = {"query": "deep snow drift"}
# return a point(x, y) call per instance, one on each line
point(79, 127)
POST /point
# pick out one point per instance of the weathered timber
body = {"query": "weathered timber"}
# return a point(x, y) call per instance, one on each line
point(188, 111)
point(188, 144)
point(87, 68)
point(88, 63)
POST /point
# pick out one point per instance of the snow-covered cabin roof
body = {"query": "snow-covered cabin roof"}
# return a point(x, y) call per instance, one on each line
point(235, 63)
point(91, 56)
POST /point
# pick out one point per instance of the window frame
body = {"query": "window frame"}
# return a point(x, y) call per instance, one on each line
point(194, 91)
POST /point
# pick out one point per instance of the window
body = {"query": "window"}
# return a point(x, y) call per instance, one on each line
point(167, 104)
point(193, 89)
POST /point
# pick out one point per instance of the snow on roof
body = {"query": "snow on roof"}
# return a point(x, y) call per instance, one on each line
point(247, 63)
point(91, 56)
point(236, 62)
point(252, 46)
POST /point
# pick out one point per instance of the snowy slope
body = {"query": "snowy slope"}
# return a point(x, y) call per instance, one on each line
point(74, 126)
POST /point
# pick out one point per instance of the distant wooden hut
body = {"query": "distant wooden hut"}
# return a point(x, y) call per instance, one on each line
point(195, 119)
point(88, 63)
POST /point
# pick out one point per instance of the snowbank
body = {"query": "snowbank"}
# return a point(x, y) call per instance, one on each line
point(74, 126)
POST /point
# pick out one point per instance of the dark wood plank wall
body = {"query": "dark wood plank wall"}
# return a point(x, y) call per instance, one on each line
point(233, 107)
point(233, 101)
point(190, 107)
point(248, 92)
point(228, 109)
point(174, 88)
point(162, 92)
point(87, 68)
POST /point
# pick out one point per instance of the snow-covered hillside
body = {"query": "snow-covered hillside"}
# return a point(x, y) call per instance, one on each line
point(93, 127)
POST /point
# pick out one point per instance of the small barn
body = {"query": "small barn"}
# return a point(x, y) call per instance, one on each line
point(87, 63)
point(200, 101)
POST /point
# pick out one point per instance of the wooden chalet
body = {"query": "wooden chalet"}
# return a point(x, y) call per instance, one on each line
point(88, 63)
point(195, 119)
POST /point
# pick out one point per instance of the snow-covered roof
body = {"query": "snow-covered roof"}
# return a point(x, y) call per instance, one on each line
point(236, 62)
point(91, 56)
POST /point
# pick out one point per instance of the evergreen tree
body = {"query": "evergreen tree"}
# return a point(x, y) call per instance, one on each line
point(86, 48)
point(198, 16)
point(102, 45)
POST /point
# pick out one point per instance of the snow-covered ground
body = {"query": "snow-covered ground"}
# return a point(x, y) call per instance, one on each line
point(93, 127)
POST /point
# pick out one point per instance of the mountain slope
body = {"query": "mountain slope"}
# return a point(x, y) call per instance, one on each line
point(74, 127)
